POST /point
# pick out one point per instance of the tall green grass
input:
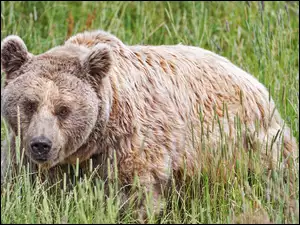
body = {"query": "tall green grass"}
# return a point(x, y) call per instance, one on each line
point(261, 38)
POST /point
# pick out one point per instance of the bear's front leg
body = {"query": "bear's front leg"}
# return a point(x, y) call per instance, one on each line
point(13, 158)
point(8, 157)
point(147, 184)
point(144, 200)
point(4, 150)
point(151, 201)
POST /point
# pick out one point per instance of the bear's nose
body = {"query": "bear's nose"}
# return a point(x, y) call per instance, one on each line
point(40, 145)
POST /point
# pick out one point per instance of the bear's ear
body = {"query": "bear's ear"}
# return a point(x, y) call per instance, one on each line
point(13, 54)
point(98, 62)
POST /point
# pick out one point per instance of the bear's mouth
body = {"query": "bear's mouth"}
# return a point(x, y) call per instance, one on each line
point(40, 158)
point(47, 160)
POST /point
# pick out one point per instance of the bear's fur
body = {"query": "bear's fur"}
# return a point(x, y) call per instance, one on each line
point(154, 107)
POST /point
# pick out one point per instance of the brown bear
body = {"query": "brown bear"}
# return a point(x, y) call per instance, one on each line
point(154, 107)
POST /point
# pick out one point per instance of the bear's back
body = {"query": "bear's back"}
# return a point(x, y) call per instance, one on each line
point(185, 74)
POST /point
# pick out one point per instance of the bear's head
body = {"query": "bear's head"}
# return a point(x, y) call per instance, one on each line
point(56, 98)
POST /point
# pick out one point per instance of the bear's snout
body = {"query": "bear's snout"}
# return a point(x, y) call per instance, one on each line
point(40, 147)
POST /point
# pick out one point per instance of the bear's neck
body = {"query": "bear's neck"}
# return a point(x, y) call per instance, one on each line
point(112, 129)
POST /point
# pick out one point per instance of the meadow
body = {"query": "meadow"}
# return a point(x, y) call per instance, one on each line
point(260, 37)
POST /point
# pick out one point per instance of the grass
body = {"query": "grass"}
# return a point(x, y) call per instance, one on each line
point(260, 37)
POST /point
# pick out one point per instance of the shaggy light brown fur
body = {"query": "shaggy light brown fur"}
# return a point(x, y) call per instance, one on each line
point(155, 107)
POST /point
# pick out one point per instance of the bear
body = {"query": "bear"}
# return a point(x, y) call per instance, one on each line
point(151, 110)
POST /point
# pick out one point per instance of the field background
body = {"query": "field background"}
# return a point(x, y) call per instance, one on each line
point(260, 37)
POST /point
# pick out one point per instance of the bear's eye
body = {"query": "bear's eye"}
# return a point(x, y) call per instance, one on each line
point(62, 112)
point(30, 106)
